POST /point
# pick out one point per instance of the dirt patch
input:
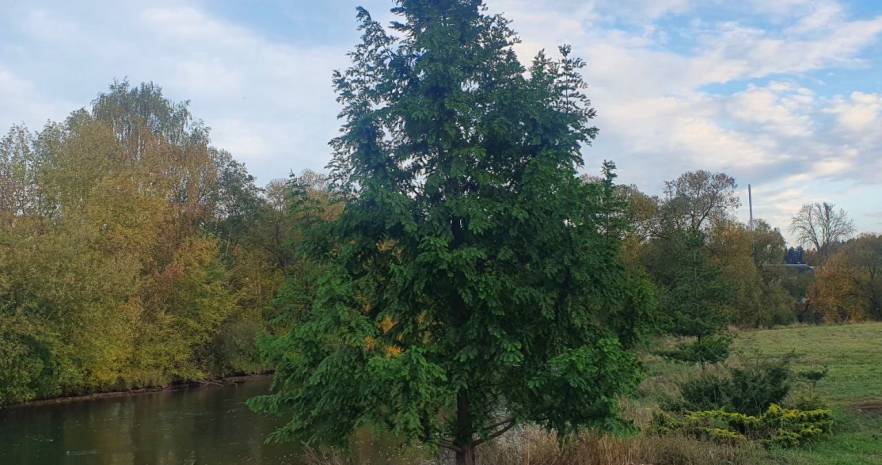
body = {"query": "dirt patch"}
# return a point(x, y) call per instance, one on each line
point(870, 408)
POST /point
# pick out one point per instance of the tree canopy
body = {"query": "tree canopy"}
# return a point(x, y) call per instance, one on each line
point(475, 281)
point(127, 256)
point(821, 226)
point(849, 284)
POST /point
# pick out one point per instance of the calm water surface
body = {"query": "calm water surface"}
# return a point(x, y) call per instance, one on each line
point(199, 426)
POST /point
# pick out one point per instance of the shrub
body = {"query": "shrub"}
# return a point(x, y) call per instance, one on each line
point(710, 349)
point(813, 375)
point(709, 391)
point(28, 361)
point(750, 390)
point(810, 400)
point(775, 427)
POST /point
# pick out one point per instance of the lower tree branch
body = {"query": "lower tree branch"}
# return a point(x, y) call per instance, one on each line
point(497, 433)
point(501, 423)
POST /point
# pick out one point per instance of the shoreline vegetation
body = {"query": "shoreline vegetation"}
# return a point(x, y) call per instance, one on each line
point(178, 386)
point(132, 252)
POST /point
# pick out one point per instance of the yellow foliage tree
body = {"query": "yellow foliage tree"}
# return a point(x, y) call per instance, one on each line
point(848, 287)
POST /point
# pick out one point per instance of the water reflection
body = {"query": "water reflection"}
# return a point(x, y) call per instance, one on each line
point(200, 426)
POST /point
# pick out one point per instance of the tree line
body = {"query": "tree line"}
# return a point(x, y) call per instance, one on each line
point(132, 252)
point(701, 257)
point(451, 277)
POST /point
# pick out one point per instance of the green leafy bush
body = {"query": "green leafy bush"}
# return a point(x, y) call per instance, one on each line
point(813, 375)
point(807, 401)
point(27, 369)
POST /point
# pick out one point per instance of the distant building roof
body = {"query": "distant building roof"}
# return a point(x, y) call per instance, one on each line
point(798, 267)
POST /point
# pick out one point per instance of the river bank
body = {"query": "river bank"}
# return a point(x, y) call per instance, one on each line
point(182, 385)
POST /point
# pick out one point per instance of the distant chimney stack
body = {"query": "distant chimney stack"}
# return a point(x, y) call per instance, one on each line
point(750, 203)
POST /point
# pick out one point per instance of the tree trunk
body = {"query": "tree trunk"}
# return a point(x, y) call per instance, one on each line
point(466, 455)
point(465, 452)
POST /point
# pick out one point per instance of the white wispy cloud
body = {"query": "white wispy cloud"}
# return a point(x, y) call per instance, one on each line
point(270, 103)
point(658, 118)
point(742, 90)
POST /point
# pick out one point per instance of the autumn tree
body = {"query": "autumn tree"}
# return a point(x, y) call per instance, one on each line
point(693, 294)
point(304, 208)
point(747, 258)
point(769, 247)
point(18, 163)
point(122, 253)
point(778, 287)
point(848, 286)
point(730, 276)
point(821, 226)
point(473, 283)
point(697, 198)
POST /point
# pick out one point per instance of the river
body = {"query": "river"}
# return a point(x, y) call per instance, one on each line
point(207, 425)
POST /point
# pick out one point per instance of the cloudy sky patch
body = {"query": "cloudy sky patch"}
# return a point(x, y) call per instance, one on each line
point(784, 95)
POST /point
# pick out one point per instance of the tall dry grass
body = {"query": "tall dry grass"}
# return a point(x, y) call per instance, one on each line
point(534, 446)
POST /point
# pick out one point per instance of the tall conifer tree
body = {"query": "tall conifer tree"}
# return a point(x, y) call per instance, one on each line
point(476, 283)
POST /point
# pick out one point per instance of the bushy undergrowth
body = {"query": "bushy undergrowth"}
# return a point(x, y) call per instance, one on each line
point(775, 427)
point(710, 349)
point(750, 389)
point(741, 404)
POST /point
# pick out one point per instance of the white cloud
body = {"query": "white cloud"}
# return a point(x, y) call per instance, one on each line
point(820, 17)
point(861, 112)
point(23, 103)
point(657, 119)
point(770, 122)
point(775, 108)
point(270, 103)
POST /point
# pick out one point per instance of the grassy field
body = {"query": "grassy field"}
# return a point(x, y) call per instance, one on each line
point(852, 387)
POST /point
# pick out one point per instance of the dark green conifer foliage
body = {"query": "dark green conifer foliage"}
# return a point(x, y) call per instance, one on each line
point(476, 282)
point(695, 290)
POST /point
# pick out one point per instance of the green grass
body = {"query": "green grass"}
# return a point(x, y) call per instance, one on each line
point(853, 355)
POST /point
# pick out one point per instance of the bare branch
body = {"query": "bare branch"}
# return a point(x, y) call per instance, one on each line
point(496, 434)
point(500, 423)
point(821, 226)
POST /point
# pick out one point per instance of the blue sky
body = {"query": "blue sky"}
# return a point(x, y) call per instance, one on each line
point(785, 95)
